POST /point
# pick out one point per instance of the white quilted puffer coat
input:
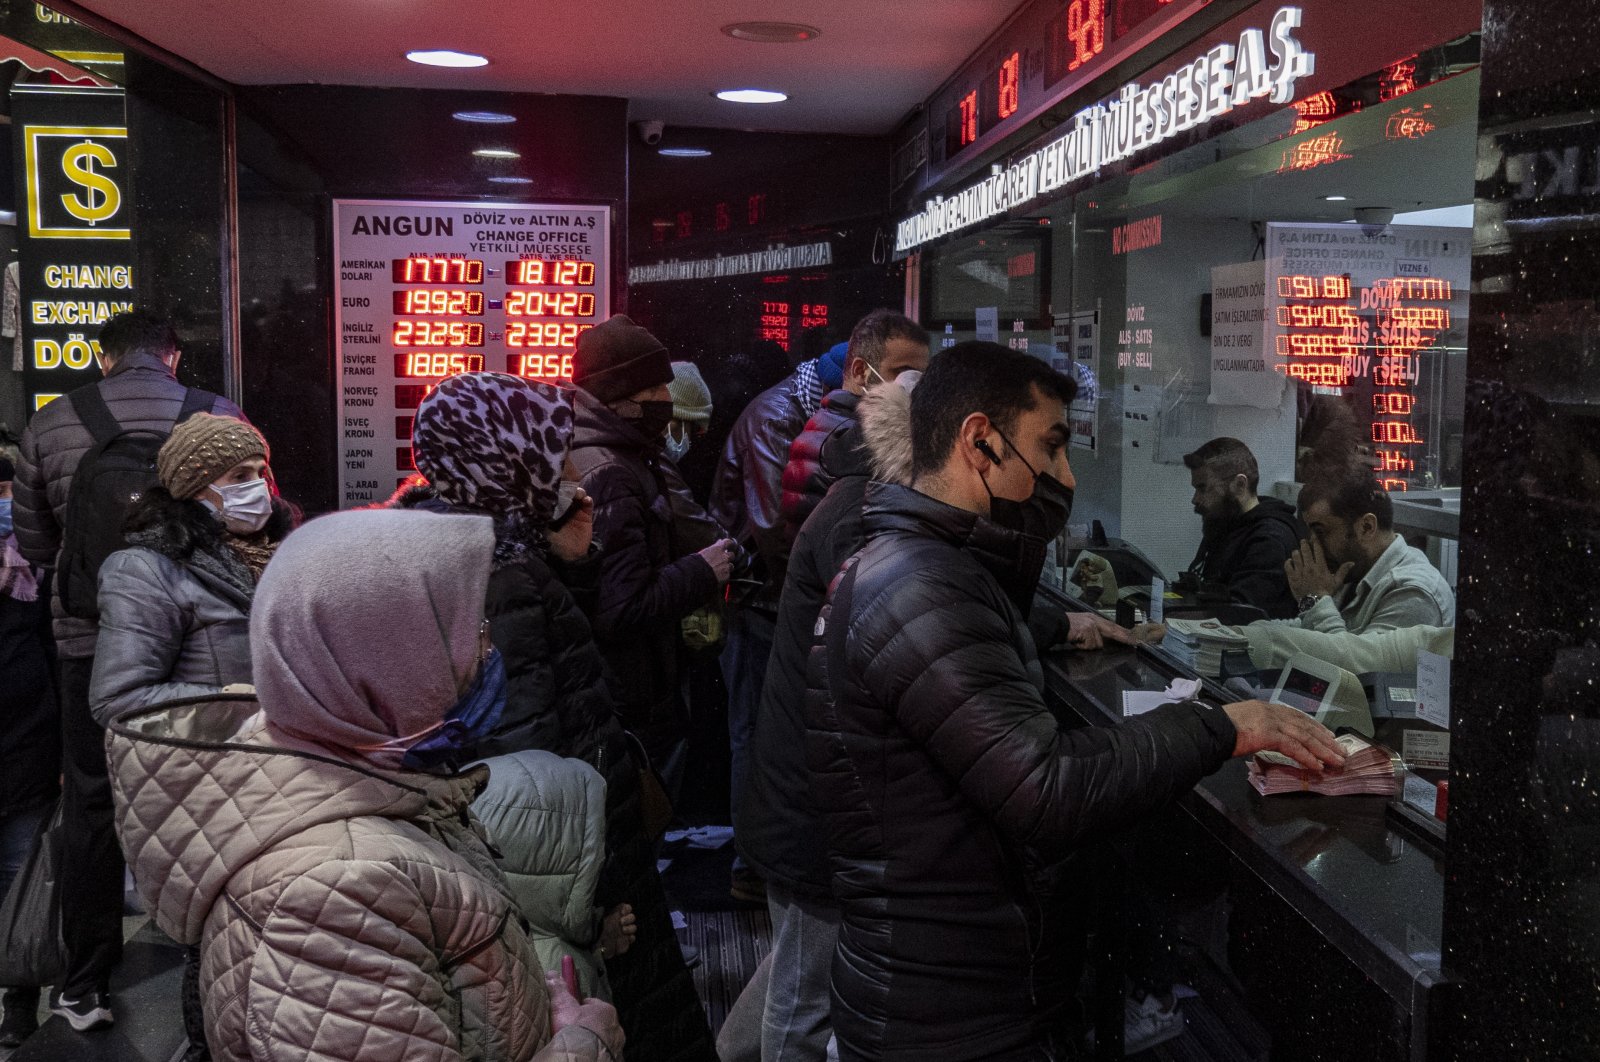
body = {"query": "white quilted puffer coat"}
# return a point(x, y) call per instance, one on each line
point(343, 913)
point(345, 903)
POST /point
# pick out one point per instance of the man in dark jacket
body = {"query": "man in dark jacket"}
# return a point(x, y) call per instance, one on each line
point(883, 345)
point(139, 356)
point(1247, 538)
point(948, 790)
point(649, 581)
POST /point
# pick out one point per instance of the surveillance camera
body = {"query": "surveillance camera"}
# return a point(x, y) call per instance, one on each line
point(650, 132)
point(1373, 220)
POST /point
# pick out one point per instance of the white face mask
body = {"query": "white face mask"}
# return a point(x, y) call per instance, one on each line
point(678, 446)
point(246, 507)
point(908, 379)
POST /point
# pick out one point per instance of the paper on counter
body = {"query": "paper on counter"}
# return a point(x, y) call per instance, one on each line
point(1138, 702)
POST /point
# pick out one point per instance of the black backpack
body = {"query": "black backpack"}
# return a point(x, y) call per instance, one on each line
point(115, 472)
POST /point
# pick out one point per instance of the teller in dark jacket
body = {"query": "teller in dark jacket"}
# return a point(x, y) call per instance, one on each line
point(498, 445)
point(950, 793)
point(1246, 538)
point(650, 577)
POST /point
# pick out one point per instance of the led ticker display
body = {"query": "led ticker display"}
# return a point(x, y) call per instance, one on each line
point(438, 334)
point(549, 304)
point(435, 363)
point(429, 290)
point(438, 302)
point(548, 366)
point(438, 270)
point(546, 334)
point(536, 272)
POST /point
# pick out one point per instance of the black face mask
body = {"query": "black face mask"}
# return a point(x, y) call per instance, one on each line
point(1044, 515)
point(653, 418)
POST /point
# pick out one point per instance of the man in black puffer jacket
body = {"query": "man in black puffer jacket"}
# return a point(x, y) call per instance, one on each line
point(949, 792)
point(883, 345)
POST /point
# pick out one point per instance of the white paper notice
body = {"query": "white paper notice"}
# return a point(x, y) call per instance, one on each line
point(1425, 748)
point(1158, 601)
point(1433, 688)
point(1420, 794)
point(989, 323)
point(1241, 372)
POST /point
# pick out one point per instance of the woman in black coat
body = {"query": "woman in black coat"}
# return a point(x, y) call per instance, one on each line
point(496, 444)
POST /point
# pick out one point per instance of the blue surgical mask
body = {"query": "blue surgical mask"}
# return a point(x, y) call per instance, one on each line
point(5, 517)
point(678, 443)
point(473, 719)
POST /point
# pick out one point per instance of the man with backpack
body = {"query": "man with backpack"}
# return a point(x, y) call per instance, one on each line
point(85, 457)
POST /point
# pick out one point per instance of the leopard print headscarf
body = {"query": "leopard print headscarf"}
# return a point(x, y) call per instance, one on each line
point(494, 444)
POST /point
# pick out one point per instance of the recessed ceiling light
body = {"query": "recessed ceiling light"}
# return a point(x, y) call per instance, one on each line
point(684, 152)
point(446, 57)
point(1335, 198)
point(771, 32)
point(496, 153)
point(510, 180)
point(486, 117)
point(751, 95)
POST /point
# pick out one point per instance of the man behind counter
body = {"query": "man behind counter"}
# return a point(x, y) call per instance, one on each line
point(1355, 573)
point(1246, 538)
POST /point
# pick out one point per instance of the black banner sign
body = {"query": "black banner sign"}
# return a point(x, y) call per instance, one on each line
point(75, 244)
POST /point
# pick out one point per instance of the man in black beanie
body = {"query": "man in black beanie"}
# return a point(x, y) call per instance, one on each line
point(647, 582)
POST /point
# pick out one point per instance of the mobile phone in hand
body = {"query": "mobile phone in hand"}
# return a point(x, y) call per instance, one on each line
point(569, 974)
point(566, 497)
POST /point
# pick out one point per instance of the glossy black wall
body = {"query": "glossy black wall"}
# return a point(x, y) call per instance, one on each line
point(1522, 921)
point(301, 146)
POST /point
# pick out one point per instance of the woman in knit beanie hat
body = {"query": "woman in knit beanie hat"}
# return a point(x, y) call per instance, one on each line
point(175, 606)
point(498, 445)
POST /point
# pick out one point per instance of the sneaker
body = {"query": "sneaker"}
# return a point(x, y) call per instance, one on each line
point(93, 1011)
point(1147, 1023)
point(21, 1017)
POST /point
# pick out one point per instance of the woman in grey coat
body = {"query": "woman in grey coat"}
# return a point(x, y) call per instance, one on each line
point(175, 605)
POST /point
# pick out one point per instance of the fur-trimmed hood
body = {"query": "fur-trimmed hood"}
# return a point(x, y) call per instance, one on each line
point(885, 416)
point(176, 527)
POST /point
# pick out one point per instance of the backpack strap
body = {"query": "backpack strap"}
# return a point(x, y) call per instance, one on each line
point(94, 413)
point(195, 401)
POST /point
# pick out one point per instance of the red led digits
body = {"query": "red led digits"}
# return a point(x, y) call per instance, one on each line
point(1305, 287)
point(549, 304)
point(538, 272)
point(1008, 78)
point(428, 363)
point(551, 366)
point(545, 334)
point(438, 334)
point(438, 302)
point(969, 118)
point(437, 269)
point(1086, 29)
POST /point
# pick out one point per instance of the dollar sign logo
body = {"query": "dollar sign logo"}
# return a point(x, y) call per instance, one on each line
point(100, 198)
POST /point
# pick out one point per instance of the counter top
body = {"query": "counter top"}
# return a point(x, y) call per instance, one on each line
point(1373, 890)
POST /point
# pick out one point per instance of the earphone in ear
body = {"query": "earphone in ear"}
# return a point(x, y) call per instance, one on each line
point(983, 447)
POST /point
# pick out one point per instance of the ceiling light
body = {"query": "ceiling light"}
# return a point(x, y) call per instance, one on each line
point(684, 152)
point(771, 32)
point(486, 117)
point(496, 153)
point(751, 95)
point(446, 57)
point(1335, 198)
point(510, 180)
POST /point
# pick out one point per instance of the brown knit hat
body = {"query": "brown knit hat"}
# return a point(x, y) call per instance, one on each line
point(202, 448)
point(617, 359)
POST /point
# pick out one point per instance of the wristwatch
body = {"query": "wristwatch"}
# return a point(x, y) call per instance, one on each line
point(1306, 603)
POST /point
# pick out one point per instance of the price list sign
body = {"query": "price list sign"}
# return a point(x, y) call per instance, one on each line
point(1358, 314)
point(425, 290)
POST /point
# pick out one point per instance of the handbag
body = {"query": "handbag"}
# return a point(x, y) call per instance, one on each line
point(31, 950)
point(655, 806)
